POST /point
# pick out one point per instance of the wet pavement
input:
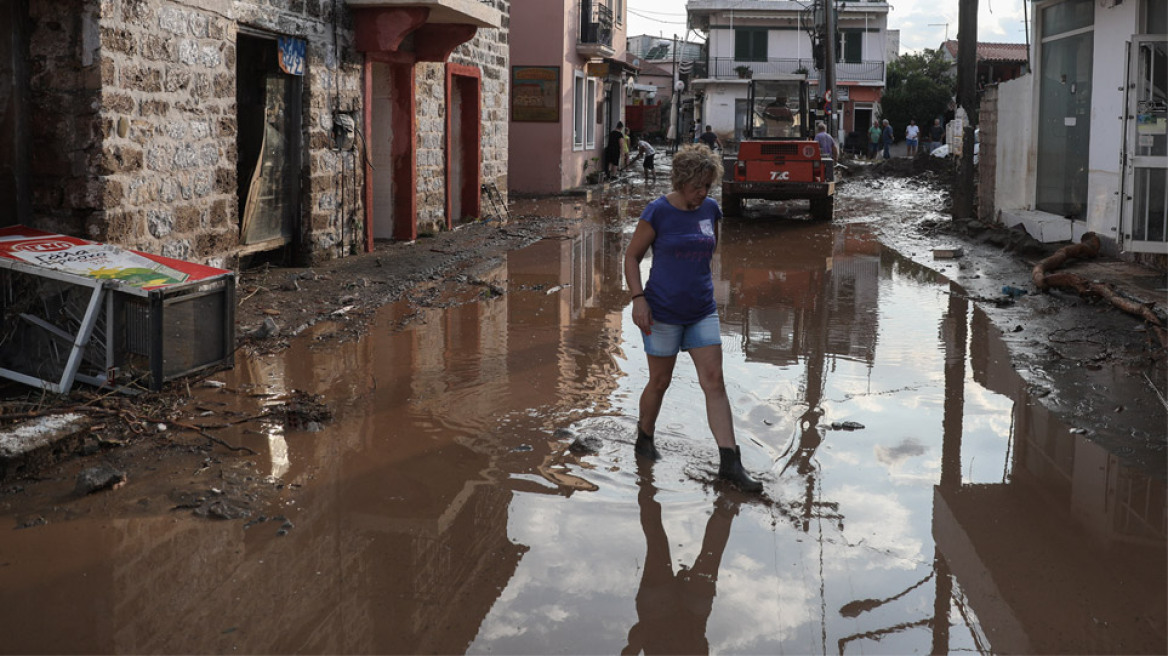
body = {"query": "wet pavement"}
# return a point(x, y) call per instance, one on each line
point(475, 488)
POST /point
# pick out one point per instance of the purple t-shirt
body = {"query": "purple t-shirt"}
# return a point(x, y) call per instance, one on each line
point(681, 288)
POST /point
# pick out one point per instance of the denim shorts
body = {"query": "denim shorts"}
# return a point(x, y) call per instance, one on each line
point(666, 339)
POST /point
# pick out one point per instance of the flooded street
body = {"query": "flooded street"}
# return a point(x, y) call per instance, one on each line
point(475, 489)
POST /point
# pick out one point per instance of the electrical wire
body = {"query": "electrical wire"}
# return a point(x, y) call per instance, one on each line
point(655, 19)
point(659, 13)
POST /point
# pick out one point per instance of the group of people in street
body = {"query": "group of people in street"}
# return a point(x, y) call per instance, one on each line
point(881, 136)
point(621, 143)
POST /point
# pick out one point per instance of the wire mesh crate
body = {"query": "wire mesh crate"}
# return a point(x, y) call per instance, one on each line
point(59, 326)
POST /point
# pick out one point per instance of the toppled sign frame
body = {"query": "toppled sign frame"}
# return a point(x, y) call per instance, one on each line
point(79, 310)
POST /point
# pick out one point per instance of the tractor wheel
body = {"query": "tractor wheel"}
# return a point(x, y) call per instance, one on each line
point(822, 208)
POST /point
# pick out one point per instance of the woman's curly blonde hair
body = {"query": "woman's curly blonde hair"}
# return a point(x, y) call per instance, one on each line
point(695, 163)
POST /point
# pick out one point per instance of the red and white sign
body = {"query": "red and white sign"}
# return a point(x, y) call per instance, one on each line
point(99, 261)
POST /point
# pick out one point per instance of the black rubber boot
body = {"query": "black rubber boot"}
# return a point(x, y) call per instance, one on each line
point(731, 470)
point(644, 447)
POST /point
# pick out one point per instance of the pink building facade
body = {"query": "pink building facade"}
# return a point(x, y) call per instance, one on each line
point(569, 81)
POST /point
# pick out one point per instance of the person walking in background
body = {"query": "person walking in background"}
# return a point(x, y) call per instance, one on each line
point(936, 135)
point(911, 135)
point(886, 137)
point(710, 139)
point(676, 310)
point(828, 149)
point(612, 151)
point(873, 140)
point(625, 148)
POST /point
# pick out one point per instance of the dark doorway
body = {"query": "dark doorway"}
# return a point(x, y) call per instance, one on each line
point(463, 180)
point(14, 162)
point(269, 106)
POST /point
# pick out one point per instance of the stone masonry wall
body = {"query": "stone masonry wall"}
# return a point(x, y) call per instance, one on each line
point(487, 51)
point(490, 52)
point(430, 103)
point(987, 155)
point(135, 122)
point(64, 135)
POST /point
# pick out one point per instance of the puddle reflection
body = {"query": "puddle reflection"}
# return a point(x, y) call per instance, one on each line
point(916, 498)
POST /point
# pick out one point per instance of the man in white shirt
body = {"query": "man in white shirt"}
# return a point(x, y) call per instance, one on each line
point(911, 136)
point(644, 149)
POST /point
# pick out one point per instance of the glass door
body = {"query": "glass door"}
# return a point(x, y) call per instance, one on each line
point(1064, 125)
point(1146, 131)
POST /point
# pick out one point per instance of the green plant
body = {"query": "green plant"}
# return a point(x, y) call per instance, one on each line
point(802, 70)
point(920, 87)
point(743, 70)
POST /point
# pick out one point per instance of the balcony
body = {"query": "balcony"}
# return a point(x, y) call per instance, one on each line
point(380, 27)
point(466, 12)
point(595, 36)
point(724, 68)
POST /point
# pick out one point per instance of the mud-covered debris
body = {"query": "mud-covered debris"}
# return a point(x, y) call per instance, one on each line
point(587, 444)
point(562, 434)
point(32, 522)
point(491, 289)
point(268, 328)
point(301, 409)
point(522, 448)
point(222, 509)
point(847, 425)
point(292, 284)
point(101, 477)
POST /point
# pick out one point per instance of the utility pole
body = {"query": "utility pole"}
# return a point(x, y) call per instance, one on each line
point(967, 100)
point(829, 62)
point(676, 98)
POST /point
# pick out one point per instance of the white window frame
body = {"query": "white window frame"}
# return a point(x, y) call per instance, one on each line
point(590, 113)
point(578, 111)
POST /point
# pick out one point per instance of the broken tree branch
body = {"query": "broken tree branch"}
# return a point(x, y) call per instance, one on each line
point(1089, 247)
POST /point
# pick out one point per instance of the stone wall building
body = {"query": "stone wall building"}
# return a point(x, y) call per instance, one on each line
point(211, 129)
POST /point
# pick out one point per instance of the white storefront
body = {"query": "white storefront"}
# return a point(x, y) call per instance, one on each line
point(1078, 149)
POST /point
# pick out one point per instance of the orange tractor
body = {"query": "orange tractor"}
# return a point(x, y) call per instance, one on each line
point(778, 157)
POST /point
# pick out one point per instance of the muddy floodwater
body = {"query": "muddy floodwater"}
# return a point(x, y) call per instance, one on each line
point(475, 489)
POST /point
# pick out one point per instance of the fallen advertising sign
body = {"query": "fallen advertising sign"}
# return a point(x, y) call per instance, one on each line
point(75, 309)
point(98, 261)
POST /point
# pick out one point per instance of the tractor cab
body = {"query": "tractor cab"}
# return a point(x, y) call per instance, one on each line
point(778, 109)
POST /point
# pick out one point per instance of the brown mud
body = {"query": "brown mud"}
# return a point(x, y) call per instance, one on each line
point(460, 479)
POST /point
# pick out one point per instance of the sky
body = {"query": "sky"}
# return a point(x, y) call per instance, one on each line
point(921, 22)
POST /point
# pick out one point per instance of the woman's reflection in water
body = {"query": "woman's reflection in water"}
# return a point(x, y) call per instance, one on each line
point(672, 609)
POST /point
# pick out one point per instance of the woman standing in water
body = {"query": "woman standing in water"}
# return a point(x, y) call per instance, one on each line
point(676, 310)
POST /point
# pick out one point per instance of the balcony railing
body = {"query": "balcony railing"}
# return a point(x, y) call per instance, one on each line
point(595, 23)
point(725, 68)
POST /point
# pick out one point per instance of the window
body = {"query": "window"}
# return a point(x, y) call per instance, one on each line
point(590, 113)
point(1064, 127)
point(578, 126)
point(850, 49)
point(750, 44)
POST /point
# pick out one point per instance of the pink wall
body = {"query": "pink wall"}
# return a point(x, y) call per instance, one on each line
point(536, 149)
point(544, 33)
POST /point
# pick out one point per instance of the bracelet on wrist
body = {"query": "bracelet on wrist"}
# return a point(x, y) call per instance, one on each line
point(636, 296)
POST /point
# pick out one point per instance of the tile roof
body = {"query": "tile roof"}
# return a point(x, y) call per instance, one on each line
point(991, 52)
